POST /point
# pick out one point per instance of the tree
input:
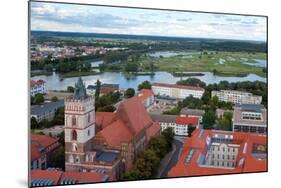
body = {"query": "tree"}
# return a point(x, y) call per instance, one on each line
point(169, 136)
point(224, 123)
point(130, 92)
point(34, 123)
point(57, 159)
point(159, 145)
point(192, 82)
point(144, 85)
point(98, 86)
point(191, 128)
point(59, 117)
point(209, 119)
point(131, 67)
point(133, 174)
point(39, 98)
point(70, 89)
point(108, 108)
point(54, 99)
point(206, 97)
point(215, 72)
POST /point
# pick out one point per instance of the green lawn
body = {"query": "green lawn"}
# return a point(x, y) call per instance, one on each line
point(209, 63)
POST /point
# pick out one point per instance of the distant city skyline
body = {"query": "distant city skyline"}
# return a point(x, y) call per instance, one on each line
point(132, 21)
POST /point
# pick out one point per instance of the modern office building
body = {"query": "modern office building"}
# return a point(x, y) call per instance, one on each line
point(250, 118)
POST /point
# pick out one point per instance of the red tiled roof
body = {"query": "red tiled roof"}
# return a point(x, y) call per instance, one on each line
point(153, 130)
point(129, 119)
point(33, 82)
point(185, 120)
point(84, 177)
point(178, 86)
point(59, 176)
point(116, 133)
point(251, 163)
point(144, 94)
point(39, 142)
point(134, 115)
point(103, 119)
point(47, 174)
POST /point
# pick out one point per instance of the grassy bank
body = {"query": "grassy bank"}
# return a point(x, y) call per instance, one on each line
point(77, 73)
point(40, 74)
point(231, 66)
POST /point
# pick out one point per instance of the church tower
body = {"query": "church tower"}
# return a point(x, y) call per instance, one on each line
point(79, 126)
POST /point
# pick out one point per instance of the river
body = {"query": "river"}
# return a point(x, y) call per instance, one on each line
point(53, 82)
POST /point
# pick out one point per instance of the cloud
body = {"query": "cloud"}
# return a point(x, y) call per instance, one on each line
point(233, 19)
point(184, 19)
point(81, 18)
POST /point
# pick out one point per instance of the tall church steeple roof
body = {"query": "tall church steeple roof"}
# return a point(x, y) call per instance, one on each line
point(80, 90)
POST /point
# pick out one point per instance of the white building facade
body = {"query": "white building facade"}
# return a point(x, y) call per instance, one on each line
point(37, 87)
point(237, 97)
point(177, 91)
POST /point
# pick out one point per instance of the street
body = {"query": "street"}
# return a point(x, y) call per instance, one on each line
point(178, 142)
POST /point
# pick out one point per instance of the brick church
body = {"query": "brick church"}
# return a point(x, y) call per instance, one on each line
point(104, 142)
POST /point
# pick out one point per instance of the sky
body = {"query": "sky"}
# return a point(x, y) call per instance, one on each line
point(113, 20)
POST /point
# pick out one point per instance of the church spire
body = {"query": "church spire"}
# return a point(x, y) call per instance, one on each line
point(80, 90)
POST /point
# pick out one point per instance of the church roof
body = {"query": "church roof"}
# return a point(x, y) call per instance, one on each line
point(80, 89)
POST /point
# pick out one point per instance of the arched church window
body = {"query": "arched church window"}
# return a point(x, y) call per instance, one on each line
point(73, 121)
point(74, 135)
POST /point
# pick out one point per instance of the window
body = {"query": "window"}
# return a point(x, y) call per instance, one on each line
point(73, 121)
point(89, 117)
point(88, 132)
point(77, 160)
point(74, 135)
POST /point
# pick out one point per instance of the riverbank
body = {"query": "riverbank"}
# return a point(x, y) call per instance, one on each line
point(78, 73)
point(224, 63)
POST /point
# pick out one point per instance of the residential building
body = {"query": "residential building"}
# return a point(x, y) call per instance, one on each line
point(42, 147)
point(178, 123)
point(57, 177)
point(46, 111)
point(146, 96)
point(193, 113)
point(107, 88)
point(250, 118)
point(237, 97)
point(210, 152)
point(177, 91)
point(37, 87)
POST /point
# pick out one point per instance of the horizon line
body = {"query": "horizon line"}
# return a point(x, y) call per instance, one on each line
point(147, 35)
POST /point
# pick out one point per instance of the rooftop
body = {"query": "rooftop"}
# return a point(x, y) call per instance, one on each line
point(56, 177)
point(144, 94)
point(185, 120)
point(178, 86)
point(195, 148)
point(194, 112)
point(80, 90)
point(163, 118)
point(46, 107)
point(39, 143)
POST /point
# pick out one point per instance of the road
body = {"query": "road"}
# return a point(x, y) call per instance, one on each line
point(178, 142)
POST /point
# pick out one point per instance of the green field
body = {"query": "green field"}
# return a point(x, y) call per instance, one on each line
point(206, 63)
